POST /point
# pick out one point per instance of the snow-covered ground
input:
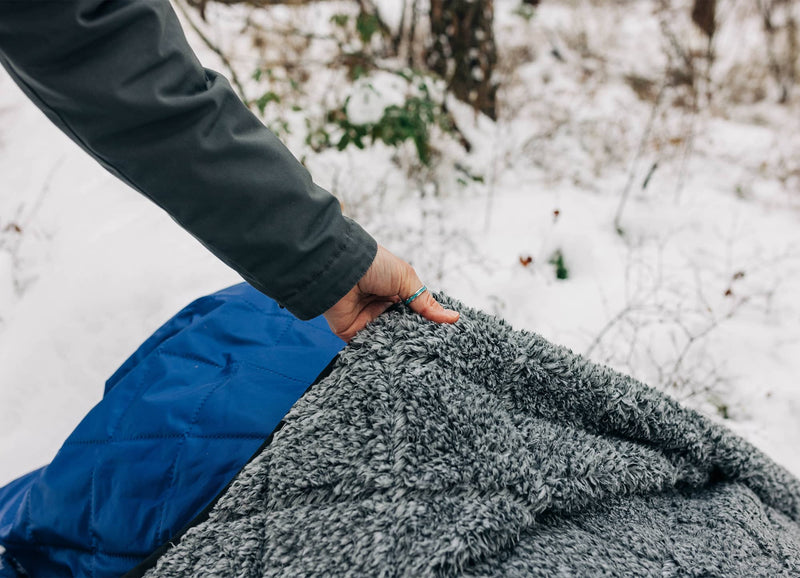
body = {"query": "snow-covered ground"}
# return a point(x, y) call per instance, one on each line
point(697, 294)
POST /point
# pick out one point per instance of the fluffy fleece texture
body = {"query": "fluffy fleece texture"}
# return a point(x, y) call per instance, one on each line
point(478, 450)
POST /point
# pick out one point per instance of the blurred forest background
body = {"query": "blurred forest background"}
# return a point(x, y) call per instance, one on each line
point(620, 176)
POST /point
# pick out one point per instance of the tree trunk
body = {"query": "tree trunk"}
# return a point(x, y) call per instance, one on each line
point(463, 50)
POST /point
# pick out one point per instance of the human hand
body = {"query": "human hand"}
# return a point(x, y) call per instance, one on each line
point(388, 281)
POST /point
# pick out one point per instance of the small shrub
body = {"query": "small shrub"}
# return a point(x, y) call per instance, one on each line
point(262, 101)
point(557, 260)
point(410, 121)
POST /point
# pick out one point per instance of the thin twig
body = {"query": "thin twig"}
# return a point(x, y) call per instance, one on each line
point(490, 193)
point(639, 152)
point(694, 338)
point(397, 39)
point(412, 32)
point(611, 323)
point(42, 193)
point(207, 41)
point(288, 31)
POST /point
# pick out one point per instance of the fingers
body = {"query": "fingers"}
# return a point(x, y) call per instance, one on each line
point(431, 309)
point(369, 313)
point(388, 280)
point(425, 304)
point(392, 277)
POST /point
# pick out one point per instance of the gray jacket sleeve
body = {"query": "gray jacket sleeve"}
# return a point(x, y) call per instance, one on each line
point(119, 78)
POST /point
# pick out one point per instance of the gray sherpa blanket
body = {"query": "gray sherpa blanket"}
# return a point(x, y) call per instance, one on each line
point(477, 450)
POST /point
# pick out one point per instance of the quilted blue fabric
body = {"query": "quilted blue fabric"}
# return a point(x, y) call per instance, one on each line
point(178, 420)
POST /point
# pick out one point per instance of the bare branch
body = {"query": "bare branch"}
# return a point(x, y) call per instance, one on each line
point(217, 50)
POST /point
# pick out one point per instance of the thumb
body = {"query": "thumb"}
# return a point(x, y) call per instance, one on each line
point(424, 303)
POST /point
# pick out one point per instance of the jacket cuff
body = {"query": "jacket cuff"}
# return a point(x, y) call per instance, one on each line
point(337, 277)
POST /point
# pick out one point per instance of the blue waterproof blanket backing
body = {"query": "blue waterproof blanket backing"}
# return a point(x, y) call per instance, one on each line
point(177, 422)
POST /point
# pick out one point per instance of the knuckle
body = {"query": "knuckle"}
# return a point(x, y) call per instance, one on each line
point(426, 302)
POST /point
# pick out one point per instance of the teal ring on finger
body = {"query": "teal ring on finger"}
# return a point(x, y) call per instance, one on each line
point(419, 292)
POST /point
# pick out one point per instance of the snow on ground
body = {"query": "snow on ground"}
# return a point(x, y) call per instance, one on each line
point(697, 294)
point(92, 271)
